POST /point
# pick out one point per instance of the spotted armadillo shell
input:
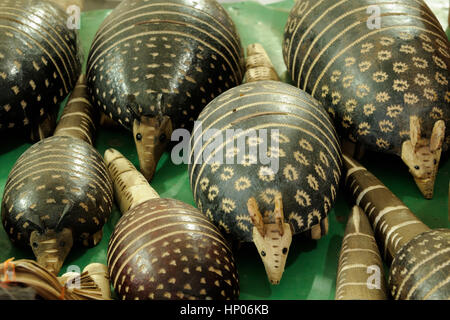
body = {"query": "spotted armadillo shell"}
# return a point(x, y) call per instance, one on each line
point(56, 175)
point(170, 58)
point(39, 64)
point(371, 79)
point(420, 269)
point(309, 158)
point(166, 249)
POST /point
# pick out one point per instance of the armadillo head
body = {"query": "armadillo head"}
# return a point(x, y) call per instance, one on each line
point(271, 239)
point(151, 136)
point(51, 248)
point(422, 155)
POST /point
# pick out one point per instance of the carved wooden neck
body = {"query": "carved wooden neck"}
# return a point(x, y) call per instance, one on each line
point(258, 65)
point(359, 255)
point(130, 186)
point(394, 224)
point(79, 116)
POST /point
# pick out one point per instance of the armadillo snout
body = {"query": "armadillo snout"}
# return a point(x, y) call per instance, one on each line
point(426, 187)
point(275, 282)
point(51, 248)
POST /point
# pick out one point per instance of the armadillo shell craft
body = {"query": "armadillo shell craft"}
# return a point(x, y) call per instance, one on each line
point(309, 158)
point(39, 63)
point(370, 78)
point(166, 249)
point(59, 182)
point(420, 269)
point(163, 58)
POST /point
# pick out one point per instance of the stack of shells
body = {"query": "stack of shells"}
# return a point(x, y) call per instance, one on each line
point(154, 67)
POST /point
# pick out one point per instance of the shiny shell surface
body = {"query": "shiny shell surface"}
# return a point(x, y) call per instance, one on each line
point(166, 249)
point(372, 65)
point(59, 182)
point(308, 152)
point(39, 63)
point(420, 270)
point(153, 58)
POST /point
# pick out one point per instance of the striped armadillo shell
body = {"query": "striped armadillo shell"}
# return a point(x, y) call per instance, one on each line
point(56, 175)
point(371, 80)
point(166, 249)
point(421, 268)
point(39, 64)
point(309, 158)
point(163, 58)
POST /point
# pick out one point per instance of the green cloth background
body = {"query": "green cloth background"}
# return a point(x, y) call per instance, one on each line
point(312, 265)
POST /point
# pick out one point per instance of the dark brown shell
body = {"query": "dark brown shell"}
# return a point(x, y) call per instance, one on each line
point(421, 268)
point(39, 62)
point(152, 58)
point(371, 78)
point(166, 249)
point(309, 166)
point(59, 182)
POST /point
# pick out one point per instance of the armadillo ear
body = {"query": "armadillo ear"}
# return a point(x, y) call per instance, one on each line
point(414, 130)
point(256, 216)
point(437, 135)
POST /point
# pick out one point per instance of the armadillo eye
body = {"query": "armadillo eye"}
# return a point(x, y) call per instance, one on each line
point(162, 137)
point(138, 137)
point(263, 253)
point(284, 250)
point(35, 244)
point(416, 167)
point(62, 244)
point(435, 161)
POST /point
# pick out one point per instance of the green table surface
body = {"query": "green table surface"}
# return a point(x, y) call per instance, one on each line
point(312, 265)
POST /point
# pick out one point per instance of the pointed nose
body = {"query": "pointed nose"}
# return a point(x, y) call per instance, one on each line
point(148, 168)
point(274, 281)
point(426, 187)
point(274, 274)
